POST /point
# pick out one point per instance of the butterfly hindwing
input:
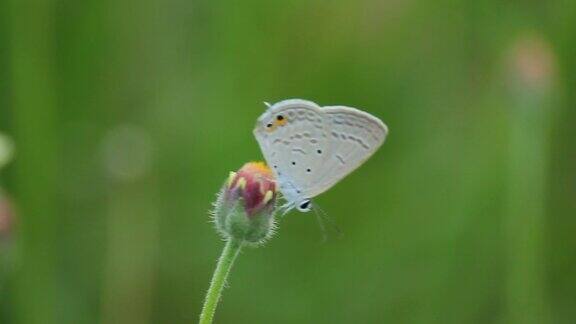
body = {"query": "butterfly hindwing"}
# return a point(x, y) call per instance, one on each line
point(355, 136)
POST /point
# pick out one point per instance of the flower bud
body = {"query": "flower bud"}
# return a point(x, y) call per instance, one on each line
point(245, 206)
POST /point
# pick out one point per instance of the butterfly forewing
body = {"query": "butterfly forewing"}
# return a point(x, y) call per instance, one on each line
point(294, 140)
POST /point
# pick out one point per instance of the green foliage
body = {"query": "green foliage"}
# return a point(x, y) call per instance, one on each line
point(127, 115)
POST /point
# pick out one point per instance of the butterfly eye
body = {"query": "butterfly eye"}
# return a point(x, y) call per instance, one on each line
point(305, 206)
point(269, 125)
point(279, 118)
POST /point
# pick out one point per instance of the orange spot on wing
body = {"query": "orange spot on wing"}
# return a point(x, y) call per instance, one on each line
point(281, 122)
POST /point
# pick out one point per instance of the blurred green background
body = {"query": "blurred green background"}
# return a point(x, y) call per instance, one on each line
point(126, 116)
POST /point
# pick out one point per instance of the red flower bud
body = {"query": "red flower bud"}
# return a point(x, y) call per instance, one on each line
point(255, 185)
point(246, 204)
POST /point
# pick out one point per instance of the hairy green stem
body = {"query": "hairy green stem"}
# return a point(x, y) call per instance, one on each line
point(229, 254)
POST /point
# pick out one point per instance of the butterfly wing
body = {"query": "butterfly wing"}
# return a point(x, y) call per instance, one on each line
point(294, 140)
point(355, 136)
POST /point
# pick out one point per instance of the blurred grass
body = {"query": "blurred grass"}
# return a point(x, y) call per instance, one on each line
point(114, 228)
point(33, 93)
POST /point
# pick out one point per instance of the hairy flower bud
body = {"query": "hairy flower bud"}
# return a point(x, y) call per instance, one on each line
point(245, 206)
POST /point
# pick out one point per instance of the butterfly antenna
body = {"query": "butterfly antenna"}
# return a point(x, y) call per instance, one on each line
point(320, 224)
point(268, 105)
point(323, 220)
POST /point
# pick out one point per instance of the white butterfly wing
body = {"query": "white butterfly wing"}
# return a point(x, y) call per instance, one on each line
point(295, 146)
point(354, 137)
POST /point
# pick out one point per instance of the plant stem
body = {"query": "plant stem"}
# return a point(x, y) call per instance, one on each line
point(231, 250)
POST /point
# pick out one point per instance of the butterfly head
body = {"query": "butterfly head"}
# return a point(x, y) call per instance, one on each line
point(304, 206)
point(294, 196)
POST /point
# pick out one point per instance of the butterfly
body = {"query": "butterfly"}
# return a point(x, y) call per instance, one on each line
point(310, 148)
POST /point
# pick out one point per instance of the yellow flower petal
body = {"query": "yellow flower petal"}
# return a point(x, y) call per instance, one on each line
point(241, 183)
point(231, 177)
point(268, 196)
